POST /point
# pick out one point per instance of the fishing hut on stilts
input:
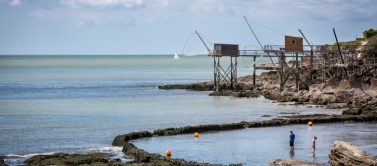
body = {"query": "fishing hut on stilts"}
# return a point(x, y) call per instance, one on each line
point(225, 79)
point(350, 62)
point(293, 46)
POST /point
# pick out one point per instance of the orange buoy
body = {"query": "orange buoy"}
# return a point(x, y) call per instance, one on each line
point(310, 123)
point(168, 153)
point(196, 135)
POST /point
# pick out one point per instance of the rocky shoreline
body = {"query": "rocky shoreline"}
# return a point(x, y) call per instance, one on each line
point(358, 96)
point(334, 92)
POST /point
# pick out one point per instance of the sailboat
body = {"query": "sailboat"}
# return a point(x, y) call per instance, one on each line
point(176, 56)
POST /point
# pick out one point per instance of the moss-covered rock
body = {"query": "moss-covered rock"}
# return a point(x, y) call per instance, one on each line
point(120, 139)
point(71, 159)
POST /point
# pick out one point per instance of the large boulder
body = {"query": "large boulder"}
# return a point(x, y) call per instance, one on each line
point(346, 154)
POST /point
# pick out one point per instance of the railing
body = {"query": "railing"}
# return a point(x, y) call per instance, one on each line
point(325, 55)
point(325, 48)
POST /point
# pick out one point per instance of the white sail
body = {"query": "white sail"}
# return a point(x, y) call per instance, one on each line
point(176, 56)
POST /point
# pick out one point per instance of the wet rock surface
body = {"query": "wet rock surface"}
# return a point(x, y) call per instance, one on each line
point(120, 139)
point(344, 153)
point(2, 161)
point(290, 162)
point(71, 159)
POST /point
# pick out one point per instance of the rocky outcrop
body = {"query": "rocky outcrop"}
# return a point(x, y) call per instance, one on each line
point(120, 139)
point(299, 119)
point(346, 154)
point(290, 162)
point(2, 161)
point(342, 154)
point(200, 128)
point(72, 159)
point(357, 91)
point(204, 86)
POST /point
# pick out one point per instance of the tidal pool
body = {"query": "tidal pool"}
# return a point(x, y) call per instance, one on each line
point(259, 146)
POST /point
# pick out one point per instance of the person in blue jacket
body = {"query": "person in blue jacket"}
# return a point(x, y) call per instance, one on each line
point(292, 141)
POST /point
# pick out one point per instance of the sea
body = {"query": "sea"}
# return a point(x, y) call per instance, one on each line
point(80, 103)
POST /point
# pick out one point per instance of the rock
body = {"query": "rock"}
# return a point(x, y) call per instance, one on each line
point(2, 161)
point(252, 87)
point(290, 162)
point(200, 128)
point(120, 139)
point(204, 86)
point(71, 159)
point(352, 112)
point(344, 153)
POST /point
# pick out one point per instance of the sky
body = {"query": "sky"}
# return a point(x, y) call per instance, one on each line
point(168, 26)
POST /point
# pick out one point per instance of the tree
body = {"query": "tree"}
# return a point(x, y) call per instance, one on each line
point(369, 33)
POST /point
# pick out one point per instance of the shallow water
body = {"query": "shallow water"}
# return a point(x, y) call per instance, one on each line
point(259, 146)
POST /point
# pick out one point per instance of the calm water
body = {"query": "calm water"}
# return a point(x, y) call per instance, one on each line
point(78, 104)
point(262, 145)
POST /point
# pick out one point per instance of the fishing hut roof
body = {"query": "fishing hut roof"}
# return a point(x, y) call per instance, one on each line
point(225, 50)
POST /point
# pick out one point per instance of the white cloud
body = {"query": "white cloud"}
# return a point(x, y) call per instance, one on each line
point(87, 17)
point(15, 2)
point(125, 3)
point(337, 18)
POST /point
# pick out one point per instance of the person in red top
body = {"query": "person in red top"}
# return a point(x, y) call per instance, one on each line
point(313, 143)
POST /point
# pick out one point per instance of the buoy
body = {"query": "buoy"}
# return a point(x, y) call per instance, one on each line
point(168, 153)
point(310, 123)
point(196, 135)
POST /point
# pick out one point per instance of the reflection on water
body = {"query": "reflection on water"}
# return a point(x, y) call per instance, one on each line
point(292, 154)
point(259, 146)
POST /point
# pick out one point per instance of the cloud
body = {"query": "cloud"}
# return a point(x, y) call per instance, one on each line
point(100, 3)
point(165, 3)
point(80, 23)
point(86, 17)
point(15, 2)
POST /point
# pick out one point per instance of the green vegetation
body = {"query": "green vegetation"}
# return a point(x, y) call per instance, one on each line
point(369, 33)
point(371, 45)
point(97, 159)
point(348, 45)
point(372, 40)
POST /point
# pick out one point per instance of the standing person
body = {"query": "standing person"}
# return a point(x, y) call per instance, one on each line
point(292, 140)
point(313, 143)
